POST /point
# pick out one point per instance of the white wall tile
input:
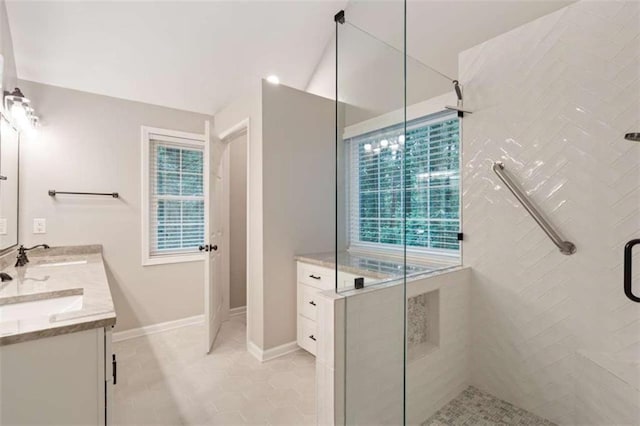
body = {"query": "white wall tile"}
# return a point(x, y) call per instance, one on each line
point(373, 321)
point(552, 100)
point(438, 377)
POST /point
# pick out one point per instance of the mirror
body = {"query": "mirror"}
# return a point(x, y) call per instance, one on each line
point(9, 158)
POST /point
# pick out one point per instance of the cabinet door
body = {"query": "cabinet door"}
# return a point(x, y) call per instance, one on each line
point(109, 375)
point(55, 380)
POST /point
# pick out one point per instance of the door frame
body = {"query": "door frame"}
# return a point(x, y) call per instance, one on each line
point(243, 126)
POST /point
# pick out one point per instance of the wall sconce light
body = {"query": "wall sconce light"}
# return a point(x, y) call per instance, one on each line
point(19, 111)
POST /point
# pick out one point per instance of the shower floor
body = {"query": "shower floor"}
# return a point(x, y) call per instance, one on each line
point(475, 407)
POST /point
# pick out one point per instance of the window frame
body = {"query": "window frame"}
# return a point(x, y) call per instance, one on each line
point(412, 253)
point(175, 138)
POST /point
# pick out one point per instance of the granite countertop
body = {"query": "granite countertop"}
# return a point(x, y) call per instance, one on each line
point(56, 273)
point(378, 267)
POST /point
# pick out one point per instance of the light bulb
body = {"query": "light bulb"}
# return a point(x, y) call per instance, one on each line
point(384, 143)
point(401, 139)
point(367, 147)
point(19, 115)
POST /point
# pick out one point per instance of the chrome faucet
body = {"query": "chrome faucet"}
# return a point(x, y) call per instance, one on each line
point(22, 254)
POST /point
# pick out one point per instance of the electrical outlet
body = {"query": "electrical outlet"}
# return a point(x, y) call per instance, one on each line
point(40, 226)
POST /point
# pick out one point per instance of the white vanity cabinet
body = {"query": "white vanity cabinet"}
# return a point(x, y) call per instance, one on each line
point(313, 279)
point(59, 380)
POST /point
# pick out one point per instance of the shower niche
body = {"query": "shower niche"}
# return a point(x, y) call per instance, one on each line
point(423, 324)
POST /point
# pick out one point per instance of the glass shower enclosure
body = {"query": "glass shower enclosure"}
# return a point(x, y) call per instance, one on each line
point(535, 326)
point(398, 211)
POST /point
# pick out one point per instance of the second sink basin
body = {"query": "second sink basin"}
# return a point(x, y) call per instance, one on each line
point(40, 308)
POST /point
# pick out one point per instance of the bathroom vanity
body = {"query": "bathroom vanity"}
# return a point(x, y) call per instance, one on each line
point(315, 274)
point(56, 316)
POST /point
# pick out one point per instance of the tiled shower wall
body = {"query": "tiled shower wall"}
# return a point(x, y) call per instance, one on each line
point(552, 100)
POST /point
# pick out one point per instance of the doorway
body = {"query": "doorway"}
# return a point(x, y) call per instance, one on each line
point(237, 147)
point(236, 285)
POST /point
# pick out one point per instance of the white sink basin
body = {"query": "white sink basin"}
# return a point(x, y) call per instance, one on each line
point(51, 264)
point(40, 308)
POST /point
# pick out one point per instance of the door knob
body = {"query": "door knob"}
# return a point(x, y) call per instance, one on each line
point(214, 248)
point(204, 247)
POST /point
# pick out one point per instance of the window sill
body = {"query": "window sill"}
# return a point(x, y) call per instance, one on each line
point(178, 258)
point(419, 257)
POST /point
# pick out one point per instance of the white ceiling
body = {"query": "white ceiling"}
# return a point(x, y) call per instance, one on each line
point(195, 56)
point(199, 56)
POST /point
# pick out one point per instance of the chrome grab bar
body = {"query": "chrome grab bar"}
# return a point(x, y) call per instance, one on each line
point(566, 247)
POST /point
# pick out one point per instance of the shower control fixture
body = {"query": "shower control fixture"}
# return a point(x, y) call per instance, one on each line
point(456, 86)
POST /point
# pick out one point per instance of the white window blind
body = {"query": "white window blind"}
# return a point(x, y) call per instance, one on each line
point(176, 197)
point(428, 185)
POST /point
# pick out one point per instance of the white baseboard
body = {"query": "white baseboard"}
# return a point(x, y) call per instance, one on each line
point(240, 310)
point(269, 354)
point(254, 350)
point(156, 328)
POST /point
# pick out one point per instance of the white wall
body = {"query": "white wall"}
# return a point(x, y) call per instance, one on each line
point(238, 221)
point(298, 134)
point(291, 191)
point(552, 100)
point(249, 107)
point(374, 358)
point(373, 365)
point(92, 143)
point(441, 374)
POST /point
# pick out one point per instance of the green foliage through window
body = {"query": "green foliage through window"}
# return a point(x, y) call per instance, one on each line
point(177, 198)
point(407, 184)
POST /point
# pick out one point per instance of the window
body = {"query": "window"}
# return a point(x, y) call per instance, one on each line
point(378, 194)
point(174, 200)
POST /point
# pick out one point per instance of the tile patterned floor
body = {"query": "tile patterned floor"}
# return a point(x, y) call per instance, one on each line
point(167, 379)
point(478, 408)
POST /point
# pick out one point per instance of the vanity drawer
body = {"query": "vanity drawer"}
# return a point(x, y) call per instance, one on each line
point(307, 334)
point(316, 276)
point(307, 301)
